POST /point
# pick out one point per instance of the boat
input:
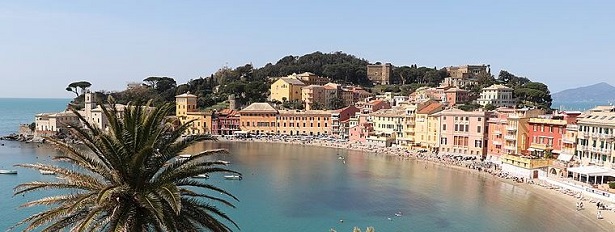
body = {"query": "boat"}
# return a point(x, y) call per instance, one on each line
point(233, 177)
point(5, 171)
point(224, 162)
point(184, 157)
point(398, 214)
point(202, 176)
point(340, 157)
point(45, 172)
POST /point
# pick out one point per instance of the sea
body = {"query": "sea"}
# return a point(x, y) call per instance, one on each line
point(306, 188)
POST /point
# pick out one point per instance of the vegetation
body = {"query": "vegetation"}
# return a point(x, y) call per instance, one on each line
point(612, 185)
point(420, 75)
point(127, 178)
point(75, 86)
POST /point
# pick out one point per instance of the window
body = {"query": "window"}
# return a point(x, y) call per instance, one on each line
point(478, 129)
point(444, 127)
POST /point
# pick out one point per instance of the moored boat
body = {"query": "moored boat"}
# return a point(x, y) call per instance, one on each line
point(203, 176)
point(5, 171)
point(233, 177)
point(45, 172)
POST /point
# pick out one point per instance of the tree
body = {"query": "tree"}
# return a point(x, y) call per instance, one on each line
point(75, 86)
point(534, 94)
point(32, 126)
point(490, 107)
point(336, 103)
point(317, 106)
point(127, 178)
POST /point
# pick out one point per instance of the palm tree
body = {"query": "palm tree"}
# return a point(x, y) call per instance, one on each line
point(127, 178)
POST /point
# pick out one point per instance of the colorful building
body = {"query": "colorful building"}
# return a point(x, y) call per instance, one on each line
point(340, 121)
point(227, 121)
point(463, 133)
point(359, 128)
point(427, 128)
point(508, 132)
point(369, 106)
point(313, 94)
point(454, 96)
point(547, 132)
point(186, 111)
point(309, 122)
point(286, 89)
point(258, 118)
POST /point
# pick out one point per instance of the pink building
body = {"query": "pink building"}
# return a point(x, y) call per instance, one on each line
point(339, 119)
point(456, 96)
point(359, 128)
point(463, 133)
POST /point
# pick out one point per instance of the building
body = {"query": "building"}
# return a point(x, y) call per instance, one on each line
point(332, 91)
point(50, 124)
point(340, 121)
point(596, 137)
point(508, 132)
point(380, 74)
point(467, 71)
point(309, 122)
point(455, 96)
point(461, 76)
point(186, 111)
point(396, 123)
point(227, 122)
point(258, 118)
point(427, 128)
point(424, 94)
point(359, 128)
point(546, 134)
point(498, 96)
point(309, 78)
point(313, 95)
point(286, 89)
point(369, 106)
point(463, 133)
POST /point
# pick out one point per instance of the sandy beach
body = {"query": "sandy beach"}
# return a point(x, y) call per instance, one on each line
point(562, 201)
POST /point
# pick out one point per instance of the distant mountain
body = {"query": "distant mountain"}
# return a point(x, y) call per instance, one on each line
point(601, 93)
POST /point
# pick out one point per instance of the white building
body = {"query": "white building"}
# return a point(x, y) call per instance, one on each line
point(498, 96)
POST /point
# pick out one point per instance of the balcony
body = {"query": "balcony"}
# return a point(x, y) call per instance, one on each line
point(497, 132)
point(583, 134)
point(572, 127)
point(510, 148)
point(497, 143)
point(511, 128)
point(510, 137)
point(568, 140)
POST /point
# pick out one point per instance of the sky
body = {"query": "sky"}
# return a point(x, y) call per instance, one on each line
point(45, 45)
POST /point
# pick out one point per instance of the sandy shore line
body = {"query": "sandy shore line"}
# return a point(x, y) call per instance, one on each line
point(560, 201)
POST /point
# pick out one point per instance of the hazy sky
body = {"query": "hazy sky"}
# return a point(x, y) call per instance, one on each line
point(44, 45)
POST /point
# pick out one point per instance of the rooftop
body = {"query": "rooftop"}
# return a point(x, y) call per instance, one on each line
point(259, 107)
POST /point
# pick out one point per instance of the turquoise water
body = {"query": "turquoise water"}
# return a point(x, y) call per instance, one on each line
point(303, 188)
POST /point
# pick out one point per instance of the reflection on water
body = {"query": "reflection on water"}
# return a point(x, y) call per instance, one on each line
point(304, 188)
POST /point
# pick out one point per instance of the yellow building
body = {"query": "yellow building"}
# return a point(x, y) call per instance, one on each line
point(186, 111)
point(309, 122)
point(427, 128)
point(286, 89)
point(258, 118)
point(396, 123)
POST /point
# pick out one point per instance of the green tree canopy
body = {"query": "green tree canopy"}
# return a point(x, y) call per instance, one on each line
point(128, 178)
point(76, 86)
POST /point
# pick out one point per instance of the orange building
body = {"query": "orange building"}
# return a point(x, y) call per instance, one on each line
point(186, 111)
point(258, 118)
point(310, 122)
point(508, 132)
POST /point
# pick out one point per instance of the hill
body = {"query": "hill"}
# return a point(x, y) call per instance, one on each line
point(600, 93)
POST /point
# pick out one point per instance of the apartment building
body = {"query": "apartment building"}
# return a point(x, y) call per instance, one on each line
point(286, 89)
point(463, 133)
point(596, 137)
point(498, 96)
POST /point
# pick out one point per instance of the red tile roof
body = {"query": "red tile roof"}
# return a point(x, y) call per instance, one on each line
point(431, 108)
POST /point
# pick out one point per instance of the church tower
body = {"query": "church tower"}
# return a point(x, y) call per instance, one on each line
point(90, 103)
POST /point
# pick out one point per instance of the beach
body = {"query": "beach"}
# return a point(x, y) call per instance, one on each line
point(562, 201)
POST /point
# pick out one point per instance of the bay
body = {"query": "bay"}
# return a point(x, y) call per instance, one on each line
point(305, 188)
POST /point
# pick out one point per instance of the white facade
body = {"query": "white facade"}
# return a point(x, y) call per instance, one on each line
point(498, 96)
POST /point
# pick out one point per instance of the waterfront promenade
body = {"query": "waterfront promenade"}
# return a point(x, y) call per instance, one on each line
point(565, 197)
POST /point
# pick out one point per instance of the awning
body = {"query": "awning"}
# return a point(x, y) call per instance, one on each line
point(531, 149)
point(564, 157)
point(593, 171)
point(556, 151)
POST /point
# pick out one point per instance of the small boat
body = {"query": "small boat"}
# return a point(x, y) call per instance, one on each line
point(184, 157)
point(398, 214)
point(233, 177)
point(202, 176)
point(5, 171)
point(45, 172)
